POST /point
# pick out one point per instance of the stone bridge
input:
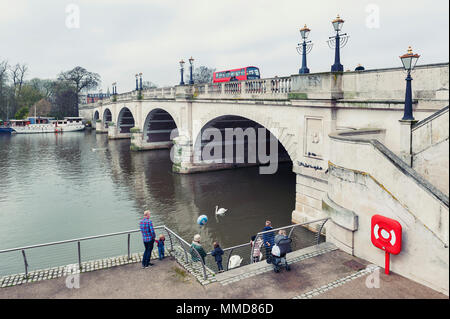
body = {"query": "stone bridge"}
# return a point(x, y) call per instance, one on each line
point(352, 154)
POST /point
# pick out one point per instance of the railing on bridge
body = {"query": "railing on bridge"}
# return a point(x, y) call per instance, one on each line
point(277, 88)
point(182, 248)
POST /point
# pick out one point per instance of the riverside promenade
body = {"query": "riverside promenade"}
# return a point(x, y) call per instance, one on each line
point(320, 271)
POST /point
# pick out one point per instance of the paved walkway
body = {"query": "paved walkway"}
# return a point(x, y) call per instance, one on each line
point(330, 274)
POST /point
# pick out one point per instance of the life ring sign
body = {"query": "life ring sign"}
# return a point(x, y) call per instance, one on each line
point(386, 235)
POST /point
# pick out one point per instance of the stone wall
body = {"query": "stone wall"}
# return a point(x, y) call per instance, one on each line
point(367, 179)
point(430, 149)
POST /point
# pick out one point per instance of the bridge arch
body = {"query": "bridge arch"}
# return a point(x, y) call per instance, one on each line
point(159, 126)
point(107, 117)
point(96, 116)
point(244, 149)
point(125, 120)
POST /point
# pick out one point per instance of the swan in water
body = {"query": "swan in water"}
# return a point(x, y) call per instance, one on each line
point(220, 211)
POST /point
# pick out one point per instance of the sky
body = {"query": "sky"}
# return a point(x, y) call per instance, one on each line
point(119, 38)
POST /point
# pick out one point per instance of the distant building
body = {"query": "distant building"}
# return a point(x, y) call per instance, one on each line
point(82, 98)
point(359, 68)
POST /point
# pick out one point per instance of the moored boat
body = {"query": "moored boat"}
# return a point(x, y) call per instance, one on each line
point(5, 127)
point(47, 125)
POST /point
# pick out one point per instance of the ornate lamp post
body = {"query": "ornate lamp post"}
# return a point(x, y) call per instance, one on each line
point(409, 61)
point(114, 88)
point(140, 81)
point(191, 62)
point(337, 42)
point(137, 82)
point(181, 70)
point(304, 49)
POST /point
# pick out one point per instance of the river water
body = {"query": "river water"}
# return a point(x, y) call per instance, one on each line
point(58, 187)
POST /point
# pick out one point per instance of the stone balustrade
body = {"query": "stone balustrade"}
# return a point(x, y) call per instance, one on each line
point(429, 90)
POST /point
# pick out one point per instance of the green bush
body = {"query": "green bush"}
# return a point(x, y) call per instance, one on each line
point(21, 113)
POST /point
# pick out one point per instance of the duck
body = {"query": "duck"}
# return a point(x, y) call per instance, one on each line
point(220, 211)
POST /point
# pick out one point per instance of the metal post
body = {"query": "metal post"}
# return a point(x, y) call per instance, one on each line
point(304, 68)
point(79, 255)
point(170, 238)
point(185, 252)
point(137, 84)
point(191, 81)
point(140, 83)
point(337, 66)
point(182, 81)
point(408, 112)
point(129, 252)
point(320, 230)
point(25, 262)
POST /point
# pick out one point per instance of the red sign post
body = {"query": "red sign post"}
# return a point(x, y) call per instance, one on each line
point(386, 235)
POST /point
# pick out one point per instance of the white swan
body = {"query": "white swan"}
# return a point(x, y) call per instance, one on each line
point(235, 261)
point(220, 211)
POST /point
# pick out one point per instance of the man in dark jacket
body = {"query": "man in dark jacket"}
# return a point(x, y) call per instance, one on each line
point(268, 239)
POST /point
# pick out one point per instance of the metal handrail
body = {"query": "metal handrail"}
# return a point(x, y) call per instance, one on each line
point(260, 234)
point(75, 240)
point(183, 243)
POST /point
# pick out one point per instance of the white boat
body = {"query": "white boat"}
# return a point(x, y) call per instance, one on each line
point(47, 125)
point(70, 124)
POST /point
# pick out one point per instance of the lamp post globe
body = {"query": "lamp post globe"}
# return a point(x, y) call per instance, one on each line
point(409, 61)
point(338, 23)
point(304, 32)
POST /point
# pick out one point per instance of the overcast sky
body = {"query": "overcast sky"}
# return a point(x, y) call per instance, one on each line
point(118, 38)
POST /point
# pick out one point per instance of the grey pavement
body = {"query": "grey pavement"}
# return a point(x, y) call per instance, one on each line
point(167, 279)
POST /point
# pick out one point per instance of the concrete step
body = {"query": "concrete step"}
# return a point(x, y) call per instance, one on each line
point(263, 266)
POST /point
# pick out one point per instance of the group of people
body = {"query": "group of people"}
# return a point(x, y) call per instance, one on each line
point(276, 246)
point(149, 239)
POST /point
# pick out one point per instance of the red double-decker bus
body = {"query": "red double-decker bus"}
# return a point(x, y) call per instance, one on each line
point(242, 74)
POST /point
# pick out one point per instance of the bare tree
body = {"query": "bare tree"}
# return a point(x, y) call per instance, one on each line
point(18, 72)
point(148, 85)
point(201, 75)
point(81, 79)
point(3, 89)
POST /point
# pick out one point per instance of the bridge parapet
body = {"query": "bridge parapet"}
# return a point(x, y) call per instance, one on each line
point(430, 88)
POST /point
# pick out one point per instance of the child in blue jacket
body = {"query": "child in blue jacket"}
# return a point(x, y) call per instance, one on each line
point(160, 244)
point(217, 253)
